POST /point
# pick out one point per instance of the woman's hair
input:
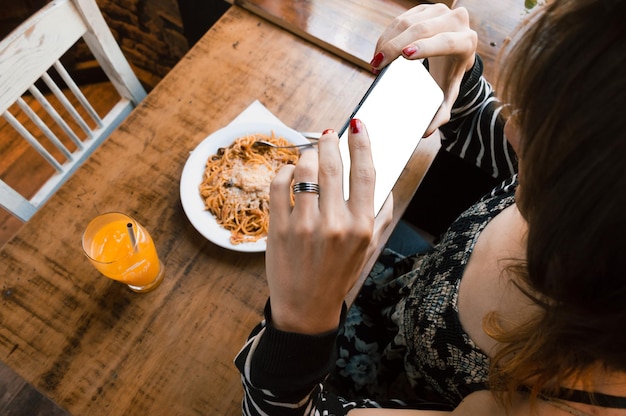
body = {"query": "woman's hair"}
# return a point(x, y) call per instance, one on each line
point(565, 78)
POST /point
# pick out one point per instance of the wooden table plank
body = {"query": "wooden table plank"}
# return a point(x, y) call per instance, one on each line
point(347, 28)
point(89, 343)
point(350, 28)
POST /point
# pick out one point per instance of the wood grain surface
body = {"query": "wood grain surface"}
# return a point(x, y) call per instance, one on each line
point(347, 28)
point(92, 345)
point(350, 28)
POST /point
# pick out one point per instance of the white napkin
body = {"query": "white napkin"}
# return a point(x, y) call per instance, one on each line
point(256, 112)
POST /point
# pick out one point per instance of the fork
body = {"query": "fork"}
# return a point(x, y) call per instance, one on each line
point(263, 143)
point(308, 135)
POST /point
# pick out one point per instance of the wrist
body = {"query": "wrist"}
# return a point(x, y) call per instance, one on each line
point(471, 76)
point(290, 362)
point(295, 319)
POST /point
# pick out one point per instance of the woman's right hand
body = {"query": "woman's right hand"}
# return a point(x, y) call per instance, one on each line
point(316, 248)
point(440, 34)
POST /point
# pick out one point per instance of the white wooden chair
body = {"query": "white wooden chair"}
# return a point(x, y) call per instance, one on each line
point(27, 57)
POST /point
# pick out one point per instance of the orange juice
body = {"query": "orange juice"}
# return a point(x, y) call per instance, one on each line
point(109, 245)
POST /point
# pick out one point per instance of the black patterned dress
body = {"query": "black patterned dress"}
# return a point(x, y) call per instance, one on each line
point(401, 344)
point(402, 338)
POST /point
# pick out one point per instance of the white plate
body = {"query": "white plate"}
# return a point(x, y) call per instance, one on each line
point(190, 180)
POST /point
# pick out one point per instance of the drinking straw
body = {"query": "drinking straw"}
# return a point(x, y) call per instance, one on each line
point(131, 233)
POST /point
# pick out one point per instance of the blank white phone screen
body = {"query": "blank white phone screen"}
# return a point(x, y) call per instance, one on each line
point(396, 111)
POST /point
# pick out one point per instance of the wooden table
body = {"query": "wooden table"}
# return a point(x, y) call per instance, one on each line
point(347, 28)
point(92, 345)
point(350, 28)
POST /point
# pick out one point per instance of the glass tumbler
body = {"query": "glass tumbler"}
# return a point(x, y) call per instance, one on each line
point(121, 249)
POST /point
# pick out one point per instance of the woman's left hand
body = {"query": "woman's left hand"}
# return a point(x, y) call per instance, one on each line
point(317, 248)
point(438, 33)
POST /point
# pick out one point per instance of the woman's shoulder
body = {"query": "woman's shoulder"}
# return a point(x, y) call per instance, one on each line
point(484, 403)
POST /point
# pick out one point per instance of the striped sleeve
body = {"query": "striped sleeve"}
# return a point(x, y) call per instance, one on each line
point(475, 131)
point(283, 373)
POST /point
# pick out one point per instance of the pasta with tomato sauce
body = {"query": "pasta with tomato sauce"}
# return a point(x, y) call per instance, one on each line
point(236, 181)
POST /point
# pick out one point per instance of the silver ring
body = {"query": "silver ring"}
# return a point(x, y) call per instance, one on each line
point(310, 187)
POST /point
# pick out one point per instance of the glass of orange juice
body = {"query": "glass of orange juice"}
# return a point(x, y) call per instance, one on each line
point(121, 249)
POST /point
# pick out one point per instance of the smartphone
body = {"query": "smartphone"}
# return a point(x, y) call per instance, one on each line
point(396, 110)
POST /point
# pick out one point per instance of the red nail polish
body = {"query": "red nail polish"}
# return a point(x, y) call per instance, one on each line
point(409, 50)
point(355, 125)
point(378, 58)
point(327, 131)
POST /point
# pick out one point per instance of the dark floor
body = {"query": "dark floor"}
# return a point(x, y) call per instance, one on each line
point(18, 398)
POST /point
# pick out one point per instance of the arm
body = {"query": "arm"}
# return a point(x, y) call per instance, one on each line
point(475, 131)
point(315, 252)
point(282, 371)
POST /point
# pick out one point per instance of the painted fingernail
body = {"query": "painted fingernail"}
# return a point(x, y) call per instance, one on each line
point(409, 50)
point(327, 131)
point(355, 125)
point(378, 58)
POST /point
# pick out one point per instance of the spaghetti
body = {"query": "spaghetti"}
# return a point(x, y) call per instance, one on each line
point(236, 181)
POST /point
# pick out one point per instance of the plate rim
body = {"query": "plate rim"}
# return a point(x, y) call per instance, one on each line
point(202, 220)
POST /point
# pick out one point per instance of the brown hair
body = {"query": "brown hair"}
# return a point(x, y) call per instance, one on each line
point(566, 79)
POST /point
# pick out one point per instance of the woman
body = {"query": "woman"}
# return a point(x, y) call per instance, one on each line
point(519, 309)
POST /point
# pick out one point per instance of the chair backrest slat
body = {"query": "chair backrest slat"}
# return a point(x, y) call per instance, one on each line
point(58, 119)
point(65, 102)
point(77, 92)
point(32, 140)
point(34, 117)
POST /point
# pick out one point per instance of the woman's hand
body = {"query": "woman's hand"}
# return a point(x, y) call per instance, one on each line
point(435, 32)
point(316, 249)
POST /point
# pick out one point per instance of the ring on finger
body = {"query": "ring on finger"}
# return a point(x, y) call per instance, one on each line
point(308, 187)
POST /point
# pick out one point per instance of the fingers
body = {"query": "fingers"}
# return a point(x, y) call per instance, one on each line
point(406, 20)
point(325, 168)
point(362, 172)
point(306, 171)
point(442, 116)
point(280, 197)
point(426, 31)
point(280, 190)
point(451, 84)
point(330, 172)
point(440, 44)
